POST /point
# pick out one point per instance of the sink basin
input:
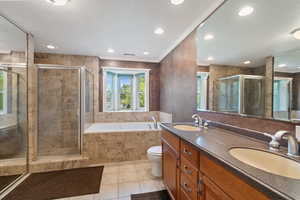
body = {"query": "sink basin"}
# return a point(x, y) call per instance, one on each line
point(268, 162)
point(187, 128)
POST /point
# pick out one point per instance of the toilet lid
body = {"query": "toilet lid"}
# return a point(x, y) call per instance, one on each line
point(155, 150)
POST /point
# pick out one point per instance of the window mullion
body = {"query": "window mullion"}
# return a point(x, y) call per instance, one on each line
point(134, 93)
point(116, 95)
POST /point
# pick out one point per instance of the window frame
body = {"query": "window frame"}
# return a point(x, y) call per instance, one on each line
point(116, 100)
point(4, 92)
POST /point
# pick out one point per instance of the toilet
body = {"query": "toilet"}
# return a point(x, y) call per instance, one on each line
point(155, 156)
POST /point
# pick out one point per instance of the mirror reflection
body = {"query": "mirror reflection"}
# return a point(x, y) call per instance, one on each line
point(286, 95)
point(237, 48)
point(13, 103)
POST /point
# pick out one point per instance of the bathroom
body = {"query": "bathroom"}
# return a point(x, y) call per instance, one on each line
point(176, 99)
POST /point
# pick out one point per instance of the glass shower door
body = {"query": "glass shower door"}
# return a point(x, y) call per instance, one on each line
point(13, 123)
point(229, 94)
point(282, 98)
point(254, 96)
point(59, 123)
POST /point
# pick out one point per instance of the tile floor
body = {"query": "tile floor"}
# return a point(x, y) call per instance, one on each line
point(120, 180)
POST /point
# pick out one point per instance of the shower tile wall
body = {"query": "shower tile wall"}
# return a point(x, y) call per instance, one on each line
point(58, 112)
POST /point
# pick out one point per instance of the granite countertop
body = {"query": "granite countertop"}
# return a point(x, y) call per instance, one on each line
point(217, 142)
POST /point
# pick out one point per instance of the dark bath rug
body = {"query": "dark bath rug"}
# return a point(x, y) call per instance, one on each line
point(159, 195)
point(58, 184)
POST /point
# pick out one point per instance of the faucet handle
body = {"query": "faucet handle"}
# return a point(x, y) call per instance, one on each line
point(274, 143)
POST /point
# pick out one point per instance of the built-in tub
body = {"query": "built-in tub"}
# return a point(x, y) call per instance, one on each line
point(116, 142)
point(120, 127)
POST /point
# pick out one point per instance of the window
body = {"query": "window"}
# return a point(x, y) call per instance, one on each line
point(125, 89)
point(202, 83)
point(3, 92)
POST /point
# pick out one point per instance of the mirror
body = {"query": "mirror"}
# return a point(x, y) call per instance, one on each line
point(13, 103)
point(286, 95)
point(236, 47)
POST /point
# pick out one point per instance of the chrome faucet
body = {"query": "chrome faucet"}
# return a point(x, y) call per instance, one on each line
point(293, 146)
point(155, 122)
point(198, 120)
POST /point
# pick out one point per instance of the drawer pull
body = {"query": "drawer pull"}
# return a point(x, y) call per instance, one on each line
point(187, 152)
point(186, 187)
point(186, 170)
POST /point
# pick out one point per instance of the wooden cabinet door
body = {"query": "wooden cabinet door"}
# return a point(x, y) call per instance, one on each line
point(212, 191)
point(170, 162)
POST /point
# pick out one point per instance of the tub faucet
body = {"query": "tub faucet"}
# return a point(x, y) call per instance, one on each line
point(198, 120)
point(293, 146)
point(155, 122)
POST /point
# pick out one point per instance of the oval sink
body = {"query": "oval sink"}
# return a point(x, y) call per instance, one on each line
point(268, 162)
point(187, 128)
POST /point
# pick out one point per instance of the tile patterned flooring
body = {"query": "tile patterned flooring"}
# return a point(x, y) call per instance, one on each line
point(120, 180)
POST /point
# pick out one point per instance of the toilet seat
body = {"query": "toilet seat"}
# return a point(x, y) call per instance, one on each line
point(155, 151)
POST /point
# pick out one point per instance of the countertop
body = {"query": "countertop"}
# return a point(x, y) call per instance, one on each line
point(217, 142)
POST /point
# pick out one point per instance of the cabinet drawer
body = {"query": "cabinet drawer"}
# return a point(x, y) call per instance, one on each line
point(171, 140)
point(190, 153)
point(183, 195)
point(188, 187)
point(213, 192)
point(189, 170)
point(230, 183)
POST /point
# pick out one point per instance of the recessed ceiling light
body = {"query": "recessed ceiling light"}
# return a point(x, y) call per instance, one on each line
point(49, 46)
point(110, 50)
point(296, 33)
point(209, 37)
point(282, 65)
point(210, 58)
point(177, 2)
point(146, 53)
point(58, 2)
point(247, 62)
point(159, 31)
point(247, 10)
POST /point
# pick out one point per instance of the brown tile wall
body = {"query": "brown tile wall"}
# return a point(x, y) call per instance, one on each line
point(178, 80)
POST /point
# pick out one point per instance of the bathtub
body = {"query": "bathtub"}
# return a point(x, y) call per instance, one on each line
point(116, 142)
point(121, 127)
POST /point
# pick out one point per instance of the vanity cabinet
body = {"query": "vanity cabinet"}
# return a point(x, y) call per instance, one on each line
point(170, 149)
point(190, 174)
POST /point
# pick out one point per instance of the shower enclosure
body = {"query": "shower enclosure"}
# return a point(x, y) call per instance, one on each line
point(65, 105)
point(243, 94)
point(13, 122)
point(282, 98)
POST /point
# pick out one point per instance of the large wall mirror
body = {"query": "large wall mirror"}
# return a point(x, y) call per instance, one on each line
point(238, 47)
point(13, 103)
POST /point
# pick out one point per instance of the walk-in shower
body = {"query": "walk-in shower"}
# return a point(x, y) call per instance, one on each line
point(13, 122)
point(65, 105)
point(243, 94)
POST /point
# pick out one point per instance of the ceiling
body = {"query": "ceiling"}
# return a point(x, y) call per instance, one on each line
point(266, 32)
point(91, 27)
point(11, 38)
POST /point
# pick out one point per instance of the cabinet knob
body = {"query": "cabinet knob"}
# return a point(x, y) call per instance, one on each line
point(186, 170)
point(187, 152)
point(186, 187)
